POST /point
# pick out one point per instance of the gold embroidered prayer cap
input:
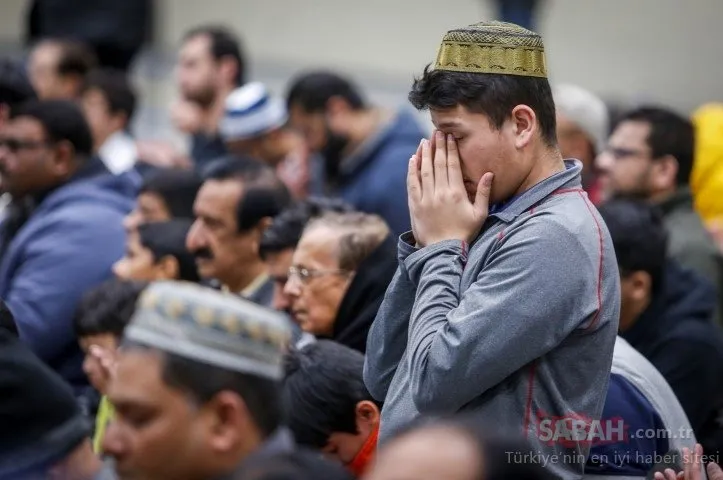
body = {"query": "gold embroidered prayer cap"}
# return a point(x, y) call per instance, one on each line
point(493, 47)
point(211, 327)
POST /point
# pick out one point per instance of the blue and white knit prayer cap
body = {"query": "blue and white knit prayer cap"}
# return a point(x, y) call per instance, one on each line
point(251, 111)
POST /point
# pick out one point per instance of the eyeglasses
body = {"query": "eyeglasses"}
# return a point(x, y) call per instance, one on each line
point(621, 153)
point(305, 274)
point(15, 145)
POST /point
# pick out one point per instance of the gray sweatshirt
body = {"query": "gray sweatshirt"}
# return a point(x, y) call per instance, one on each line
point(519, 327)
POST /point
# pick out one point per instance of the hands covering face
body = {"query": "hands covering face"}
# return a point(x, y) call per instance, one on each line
point(438, 203)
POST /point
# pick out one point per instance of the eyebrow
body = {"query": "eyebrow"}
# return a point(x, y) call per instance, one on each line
point(448, 124)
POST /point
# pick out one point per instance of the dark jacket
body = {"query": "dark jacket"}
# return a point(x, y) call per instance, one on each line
point(279, 457)
point(374, 178)
point(205, 149)
point(676, 335)
point(690, 244)
point(364, 296)
point(67, 245)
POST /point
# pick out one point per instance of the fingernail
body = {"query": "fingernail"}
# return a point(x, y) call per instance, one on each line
point(440, 135)
point(421, 142)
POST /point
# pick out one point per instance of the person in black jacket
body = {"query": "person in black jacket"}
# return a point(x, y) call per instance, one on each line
point(340, 271)
point(666, 314)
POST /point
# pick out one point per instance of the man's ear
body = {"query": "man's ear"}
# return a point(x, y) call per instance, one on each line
point(524, 125)
point(259, 230)
point(228, 422)
point(228, 67)
point(64, 161)
point(641, 284)
point(664, 172)
point(367, 417)
point(168, 268)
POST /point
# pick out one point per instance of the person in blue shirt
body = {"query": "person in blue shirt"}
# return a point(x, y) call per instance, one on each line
point(365, 148)
point(63, 229)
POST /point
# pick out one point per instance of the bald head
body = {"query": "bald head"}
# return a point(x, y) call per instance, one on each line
point(430, 453)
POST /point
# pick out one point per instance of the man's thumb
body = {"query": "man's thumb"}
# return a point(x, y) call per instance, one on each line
point(482, 200)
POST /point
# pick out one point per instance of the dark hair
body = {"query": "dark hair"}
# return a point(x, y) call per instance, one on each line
point(224, 43)
point(116, 89)
point(108, 308)
point(670, 134)
point(169, 238)
point(76, 58)
point(177, 188)
point(202, 382)
point(286, 229)
point(264, 194)
point(492, 95)
point(15, 89)
point(324, 383)
point(311, 91)
point(62, 120)
point(639, 237)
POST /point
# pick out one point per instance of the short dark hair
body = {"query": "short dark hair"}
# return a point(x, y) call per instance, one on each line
point(264, 194)
point(224, 43)
point(116, 89)
point(169, 238)
point(202, 382)
point(177, 188)
point(76, 58)
point(324, 383)
point(639, 237)
point(108, 308)
point(311, 91)
point(15, 88)
point(670, 134)
point(492, 95)
point(62, 120)
point(286, 229)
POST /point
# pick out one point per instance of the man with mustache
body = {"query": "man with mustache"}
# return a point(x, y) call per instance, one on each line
point(363, 147)
point(236, 202)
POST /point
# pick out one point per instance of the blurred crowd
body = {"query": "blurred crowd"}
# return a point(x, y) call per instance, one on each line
point(254, 308)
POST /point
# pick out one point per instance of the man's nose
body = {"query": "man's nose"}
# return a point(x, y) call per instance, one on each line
point(195, 237)
point(113, 443)
point(292, 287)
point(604, 161)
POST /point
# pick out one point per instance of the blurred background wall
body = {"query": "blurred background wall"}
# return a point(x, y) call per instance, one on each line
point(665, 51)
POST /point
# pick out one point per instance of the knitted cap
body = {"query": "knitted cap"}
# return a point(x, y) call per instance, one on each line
point(584, 109)
point(211, 327)
point(40, 421)
point(493, 47)
point(251, 111)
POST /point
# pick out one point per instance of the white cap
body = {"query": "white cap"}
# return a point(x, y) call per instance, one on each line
point(251, 111)
point(586, 110)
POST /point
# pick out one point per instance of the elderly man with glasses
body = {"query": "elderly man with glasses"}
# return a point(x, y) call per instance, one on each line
point(340, 271)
